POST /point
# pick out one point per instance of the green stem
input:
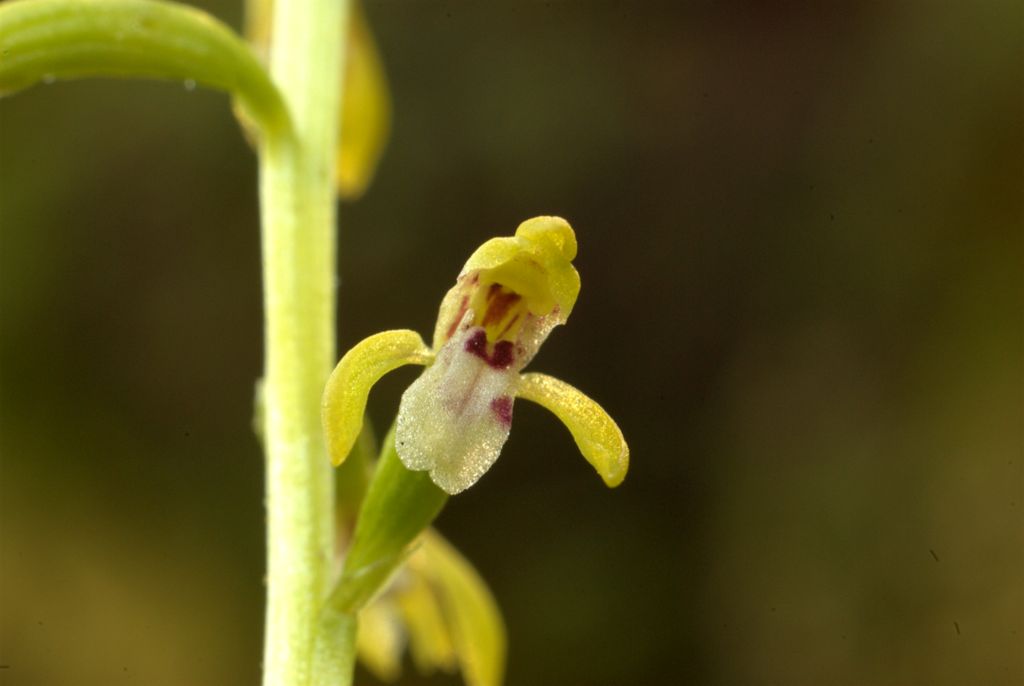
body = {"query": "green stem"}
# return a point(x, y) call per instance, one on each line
point(298, 201)
point(398, 506)
point(44, 40)
point(334, 650)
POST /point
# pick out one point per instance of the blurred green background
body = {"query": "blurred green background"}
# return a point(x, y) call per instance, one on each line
point(801, 248)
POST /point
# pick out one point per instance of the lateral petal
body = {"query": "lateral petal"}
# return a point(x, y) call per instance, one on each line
point(595, 432)
point(344, 398)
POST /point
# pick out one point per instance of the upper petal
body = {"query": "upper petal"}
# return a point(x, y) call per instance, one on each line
point(536, 263)
point(344, 399)
point(596, 433)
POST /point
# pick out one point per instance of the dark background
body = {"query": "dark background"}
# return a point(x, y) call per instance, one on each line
point(801, 248)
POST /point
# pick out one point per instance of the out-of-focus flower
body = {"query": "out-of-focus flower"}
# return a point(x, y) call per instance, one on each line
point(366, 107)
point(365, 111)
point(440, 608)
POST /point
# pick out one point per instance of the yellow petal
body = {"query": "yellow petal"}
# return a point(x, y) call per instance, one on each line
point(344, 399)
point(379, 641)
point(596, 434)
point(536, 263)
point(474, 618)
point(553, 230)
point(430, 641)
point(365, 112)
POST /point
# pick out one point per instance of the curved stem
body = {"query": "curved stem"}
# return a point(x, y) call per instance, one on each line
point(41, 40)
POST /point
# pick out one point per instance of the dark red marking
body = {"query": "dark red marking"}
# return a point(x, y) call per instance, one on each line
point(502, 408)
point(511, 323)
point(477, 344)
point(499, 301)
point(458, 318)
point(504, 353)
point(500, 358)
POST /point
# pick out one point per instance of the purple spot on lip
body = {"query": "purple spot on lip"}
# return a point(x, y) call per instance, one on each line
point(502, 356)
point(477, 344)
point(502, 408)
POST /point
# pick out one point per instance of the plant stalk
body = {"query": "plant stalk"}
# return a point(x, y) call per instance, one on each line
point(297, 200)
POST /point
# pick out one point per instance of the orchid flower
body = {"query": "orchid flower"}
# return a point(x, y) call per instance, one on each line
point(455, 418)
point(439, 608)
